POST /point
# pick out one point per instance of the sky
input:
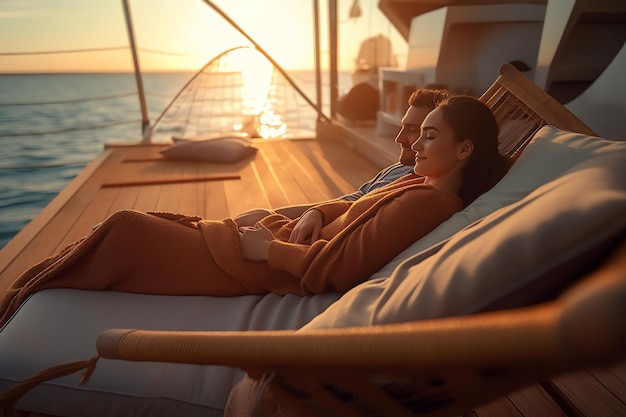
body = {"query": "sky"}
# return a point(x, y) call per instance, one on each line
point(175, 35)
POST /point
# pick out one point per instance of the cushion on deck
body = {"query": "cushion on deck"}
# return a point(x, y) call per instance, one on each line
point(518, 255)
point(221, 149)
point(61, 325)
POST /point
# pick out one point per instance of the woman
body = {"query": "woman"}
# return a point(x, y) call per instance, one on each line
point(332, 247)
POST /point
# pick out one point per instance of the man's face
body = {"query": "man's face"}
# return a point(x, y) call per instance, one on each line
point(410, 131)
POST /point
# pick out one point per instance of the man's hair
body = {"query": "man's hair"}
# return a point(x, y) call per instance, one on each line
point(427, 97)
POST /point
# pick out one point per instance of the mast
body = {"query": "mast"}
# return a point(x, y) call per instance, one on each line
point(145, 121)
point(318, 69)
point(333, 51)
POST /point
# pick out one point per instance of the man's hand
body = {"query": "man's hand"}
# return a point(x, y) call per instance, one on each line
point(255, 242)
point(307, 230)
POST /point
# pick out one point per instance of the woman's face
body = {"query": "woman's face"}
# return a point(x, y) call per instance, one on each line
point(439, 153)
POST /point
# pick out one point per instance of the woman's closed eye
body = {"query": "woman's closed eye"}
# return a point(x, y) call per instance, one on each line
point(428, 133)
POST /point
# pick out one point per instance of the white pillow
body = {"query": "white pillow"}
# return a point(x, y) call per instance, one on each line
point(519, 255)
point(221, 150)
point(550, 153)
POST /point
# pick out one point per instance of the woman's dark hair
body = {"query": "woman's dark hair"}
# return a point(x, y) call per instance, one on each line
point(471, 119)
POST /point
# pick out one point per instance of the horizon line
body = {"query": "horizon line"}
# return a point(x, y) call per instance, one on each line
point(182, 71)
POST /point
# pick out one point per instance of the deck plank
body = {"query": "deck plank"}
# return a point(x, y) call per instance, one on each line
point(588, 396)
point(32, 230)
point(99, 208)
point(314, 182)
point(52, 234)
point(614, 379)
point(234, 196)
point(330, 178)
point(285, 177)
point(499, 408)
point(264, 174)
point(349, 170)
point(254, 193)
point(534, 401)
point(147, 197)
point(215, 203)
point(283, 172)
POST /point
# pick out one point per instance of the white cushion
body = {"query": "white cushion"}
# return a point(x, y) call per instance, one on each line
point(550, 153)
point(221, 149)
point(61, 325)
point(519, 255)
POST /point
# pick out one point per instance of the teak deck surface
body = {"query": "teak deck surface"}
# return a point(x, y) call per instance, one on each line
point(283, 172)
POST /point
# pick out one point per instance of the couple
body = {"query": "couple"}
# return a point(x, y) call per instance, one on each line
point(332, 246)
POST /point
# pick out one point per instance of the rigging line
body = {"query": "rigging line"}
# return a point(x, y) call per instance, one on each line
point(79, 100)
point(69, 129)
point(191, 81)
point(258, 47)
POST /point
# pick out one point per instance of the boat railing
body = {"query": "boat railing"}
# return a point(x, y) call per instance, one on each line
point(263, 122)
point(147, 128)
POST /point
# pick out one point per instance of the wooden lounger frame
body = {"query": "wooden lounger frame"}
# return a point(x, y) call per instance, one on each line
point(441, 367)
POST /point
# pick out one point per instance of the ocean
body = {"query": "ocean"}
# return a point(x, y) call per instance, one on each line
point(52, 125)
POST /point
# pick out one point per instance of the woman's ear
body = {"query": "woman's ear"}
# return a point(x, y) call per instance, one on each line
point(466, 149)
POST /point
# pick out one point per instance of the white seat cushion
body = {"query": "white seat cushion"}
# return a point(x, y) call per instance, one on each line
point(61, 325)
point(550, 153)
point(520, 255)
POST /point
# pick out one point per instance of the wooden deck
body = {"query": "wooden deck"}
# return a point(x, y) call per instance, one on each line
point(283, 172)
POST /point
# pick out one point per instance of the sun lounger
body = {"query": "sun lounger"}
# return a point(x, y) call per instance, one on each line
point(512, 332)
point(445, 317)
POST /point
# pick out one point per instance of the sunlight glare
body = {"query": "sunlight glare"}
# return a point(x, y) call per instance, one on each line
point(259, 119)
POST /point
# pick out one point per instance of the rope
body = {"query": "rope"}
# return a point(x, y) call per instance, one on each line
point(17, 391)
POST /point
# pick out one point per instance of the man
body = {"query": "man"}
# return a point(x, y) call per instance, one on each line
point(421, 102)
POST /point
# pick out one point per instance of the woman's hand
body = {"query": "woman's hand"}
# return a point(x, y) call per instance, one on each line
point(255, 242)
point(251, 217)
point(307, 230)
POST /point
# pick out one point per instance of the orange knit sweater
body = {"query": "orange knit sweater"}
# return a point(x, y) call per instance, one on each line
point(356, 240)
point(167, 254)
